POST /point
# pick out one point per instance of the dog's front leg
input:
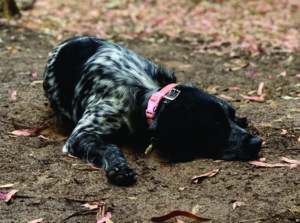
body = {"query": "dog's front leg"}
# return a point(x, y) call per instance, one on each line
point(92, 148)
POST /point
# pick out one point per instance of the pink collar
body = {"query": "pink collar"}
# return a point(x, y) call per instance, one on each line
point(155, 99)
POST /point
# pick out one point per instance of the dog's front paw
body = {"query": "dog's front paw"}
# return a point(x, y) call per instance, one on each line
point(121, 174)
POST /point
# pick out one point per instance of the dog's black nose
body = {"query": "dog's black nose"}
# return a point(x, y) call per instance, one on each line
point(255, 145)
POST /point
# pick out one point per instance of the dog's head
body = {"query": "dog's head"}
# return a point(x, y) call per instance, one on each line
point(197, 123)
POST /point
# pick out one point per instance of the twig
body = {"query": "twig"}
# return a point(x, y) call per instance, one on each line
point(91, 165)
point(4, 121)
point(80, 213)
point(256, 219)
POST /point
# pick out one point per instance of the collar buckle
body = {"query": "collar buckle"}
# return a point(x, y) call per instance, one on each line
point(173, 94)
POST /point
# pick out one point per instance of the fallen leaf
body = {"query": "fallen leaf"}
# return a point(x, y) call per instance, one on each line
point(16, 125)
point(263, 164)
point(238, 204)
point(9, 195)
point(104, 220)
point(263, 95)
point(90, 164)
point(233, 88)
point(108, 214)
point(226, 97)
point(29, 132)
point(108, 220)
point(90, 206)
point(290, 161)
point(36, 220)
point(6, 185)
point(176, 213)
point(81, 213)
point(196, 209)
point(196, 179)
point(36, 82)
point(43, 137)
point(252, 98)
point(74, 157)
point(286, 97)
point(283, 132)
point(260, 88)
point(2, 196)
point(13, 95)
point(283, 74)
point(132, 198)
point(99, 211)
point(179, 221)
point(253, 74)
point(159, 19)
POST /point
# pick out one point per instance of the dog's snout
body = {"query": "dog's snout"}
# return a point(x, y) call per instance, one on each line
point(255, 142)
point(255, 145)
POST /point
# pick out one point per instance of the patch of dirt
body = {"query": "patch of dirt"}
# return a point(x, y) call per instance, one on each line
point(42, 172)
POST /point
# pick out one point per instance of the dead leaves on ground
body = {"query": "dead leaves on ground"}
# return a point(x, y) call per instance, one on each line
point(259, 95)
point(255, 26)
point(176, 213)
point(92, 208)
point(36, 220)
point(7, 197)
point(28, 132)
point(197, 179)
point(238, 204)
point(288, 163)
point(21, 131)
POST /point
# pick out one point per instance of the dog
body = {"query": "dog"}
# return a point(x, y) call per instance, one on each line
point(104, 93)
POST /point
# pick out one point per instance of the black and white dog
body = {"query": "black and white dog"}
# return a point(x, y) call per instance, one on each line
point(101, 91)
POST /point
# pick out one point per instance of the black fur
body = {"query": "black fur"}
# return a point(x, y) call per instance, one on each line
point(100, 90)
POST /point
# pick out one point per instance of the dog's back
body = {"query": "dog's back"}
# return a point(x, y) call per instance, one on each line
point(78, 63)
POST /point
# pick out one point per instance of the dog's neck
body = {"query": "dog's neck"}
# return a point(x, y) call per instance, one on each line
point(168, 92)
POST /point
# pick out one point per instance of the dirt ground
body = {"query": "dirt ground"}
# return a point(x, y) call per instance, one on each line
point(51, 185)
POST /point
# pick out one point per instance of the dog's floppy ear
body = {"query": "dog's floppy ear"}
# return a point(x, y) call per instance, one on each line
point(242, 122)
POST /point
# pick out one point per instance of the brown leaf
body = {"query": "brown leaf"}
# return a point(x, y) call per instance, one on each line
point(252, 98)
point(263, 164)
point(260, 88)
point(226, 97)
point(6, 185)
point(176, 213)
point(253, 74)
point(196, 179)
point(36, 220)
point(179, 221)
point(13, 95)
point(237, 204)
point(10, 195)
point(290, 161)
point(29, 132)
point(16, 125)
point(233, 88)
point(91, 206)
